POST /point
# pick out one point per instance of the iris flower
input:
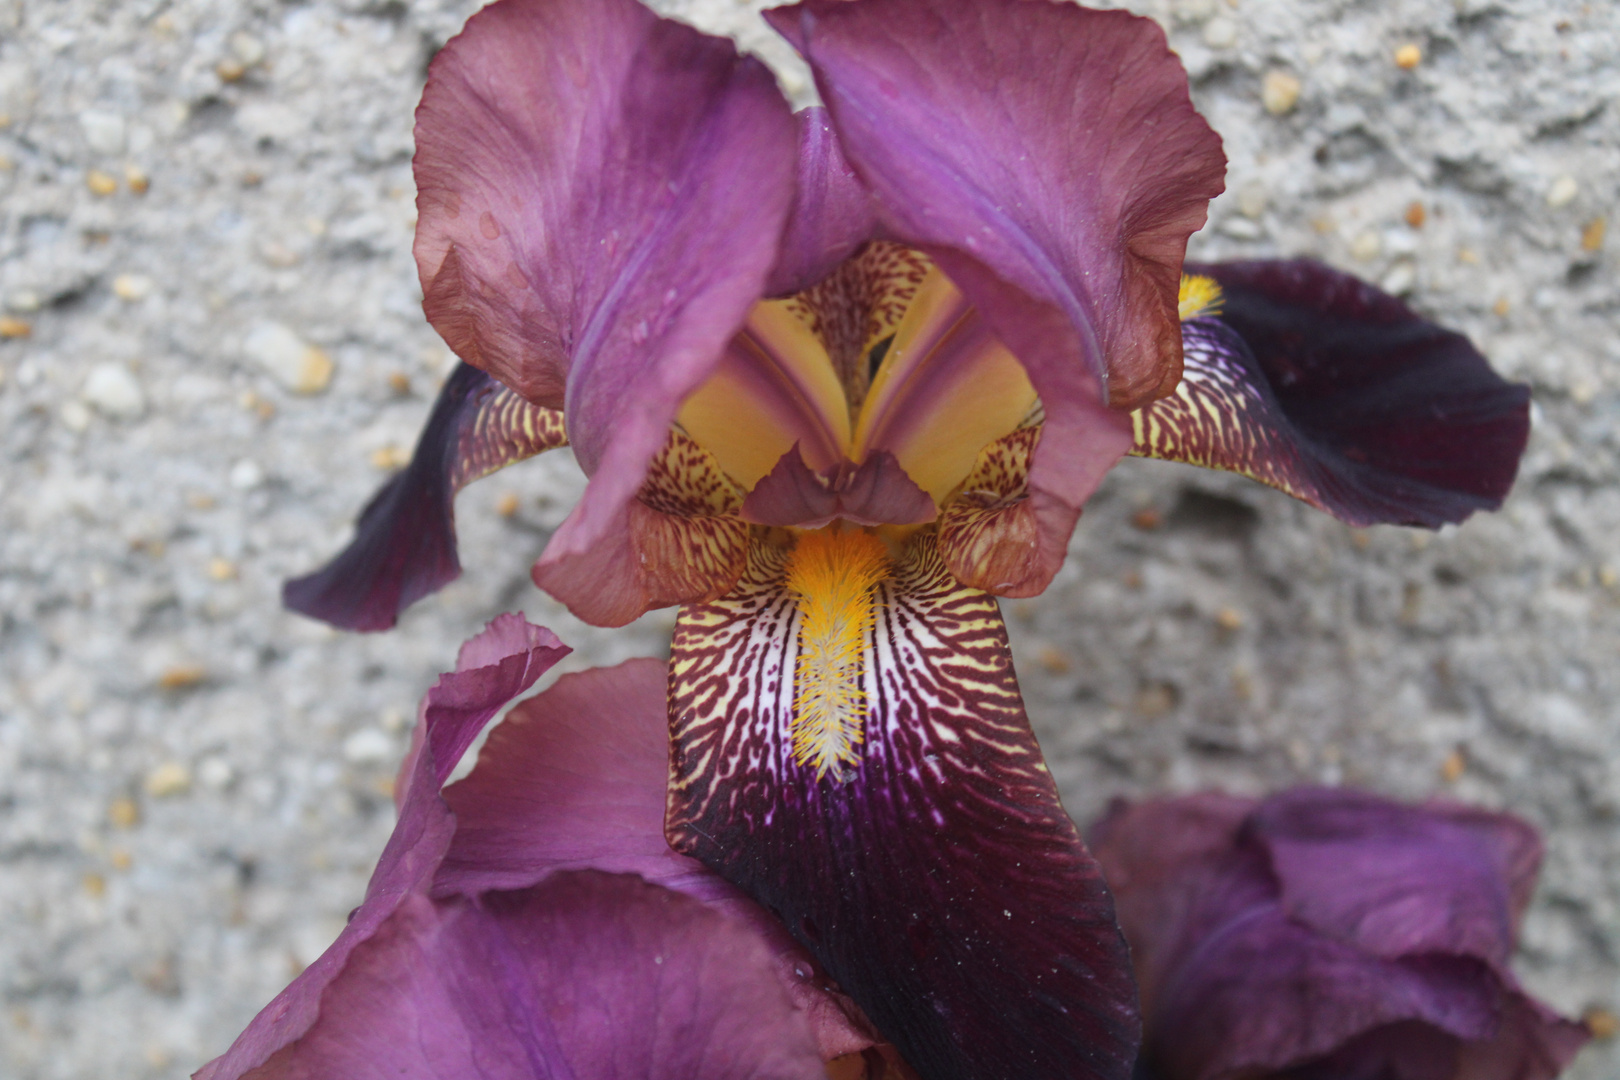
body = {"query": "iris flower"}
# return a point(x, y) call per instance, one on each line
point(1329, 934)
point(839, 380)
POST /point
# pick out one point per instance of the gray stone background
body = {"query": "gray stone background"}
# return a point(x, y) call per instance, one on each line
point(204, 203)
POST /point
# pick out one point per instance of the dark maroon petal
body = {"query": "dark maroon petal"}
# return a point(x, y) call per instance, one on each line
point(501, 662)
point(587, 975)
point(875, 492)
point(405, 541)
point(602, 194)
point(936, 877)
point(1350, 400)
point(832, 211)
point(1390, 879)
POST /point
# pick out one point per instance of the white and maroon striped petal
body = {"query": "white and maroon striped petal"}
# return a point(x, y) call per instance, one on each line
point(921, 852)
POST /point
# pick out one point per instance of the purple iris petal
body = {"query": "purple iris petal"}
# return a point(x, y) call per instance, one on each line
point(587, 976)
point(602, 193)
point(936, 875)
point(503, 934)
point(404, 546)
point(1049, 158)
point(1329, 934)
point(832, 211)
point(497, 665)
point(1391, 418)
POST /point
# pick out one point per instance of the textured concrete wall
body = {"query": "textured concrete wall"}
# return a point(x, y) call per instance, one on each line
point(193, 784)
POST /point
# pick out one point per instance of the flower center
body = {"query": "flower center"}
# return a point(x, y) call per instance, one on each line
point(832, 573)
point(884, 358)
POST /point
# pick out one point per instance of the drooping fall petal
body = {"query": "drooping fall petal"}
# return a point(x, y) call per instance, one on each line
point(1328, 933)
point(405, 541)
point(602, 193)
point(867, 772)
point(1049, 158)
point(1317, 383)
point(493, 667)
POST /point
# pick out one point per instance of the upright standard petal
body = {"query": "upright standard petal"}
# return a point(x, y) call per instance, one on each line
point(493, 667)
point(832, 212)
point(1049, 158)
point(404, 546)
point(1328, 933)
point(849, 747)
point(1314, 382)
point(601, 197)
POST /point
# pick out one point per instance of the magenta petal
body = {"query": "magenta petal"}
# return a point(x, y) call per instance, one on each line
point(500, 663)
point(1050, 160)
point(575, 777)
point(832, 211)
point(404, 546)
point(1397, 880)
point(1326, 935)
point(587, 975)
point(602, 196)
point(1383, 415)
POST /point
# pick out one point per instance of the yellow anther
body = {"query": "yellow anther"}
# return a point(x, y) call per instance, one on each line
point(1200, 296)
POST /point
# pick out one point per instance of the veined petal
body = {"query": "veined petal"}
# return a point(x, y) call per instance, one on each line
point(1053, 147)
point(899, 819)
point(679, 539)
point(602, 193)
point(1318, 384)
point(405, 541)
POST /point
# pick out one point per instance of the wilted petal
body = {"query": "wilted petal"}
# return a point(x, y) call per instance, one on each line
point(587, 975)
point(405, 541)
point(930, 866)
point(1320, 385)
point(497, 665)
point(1049, 159)
point(602, 193)
point(1328, 935)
